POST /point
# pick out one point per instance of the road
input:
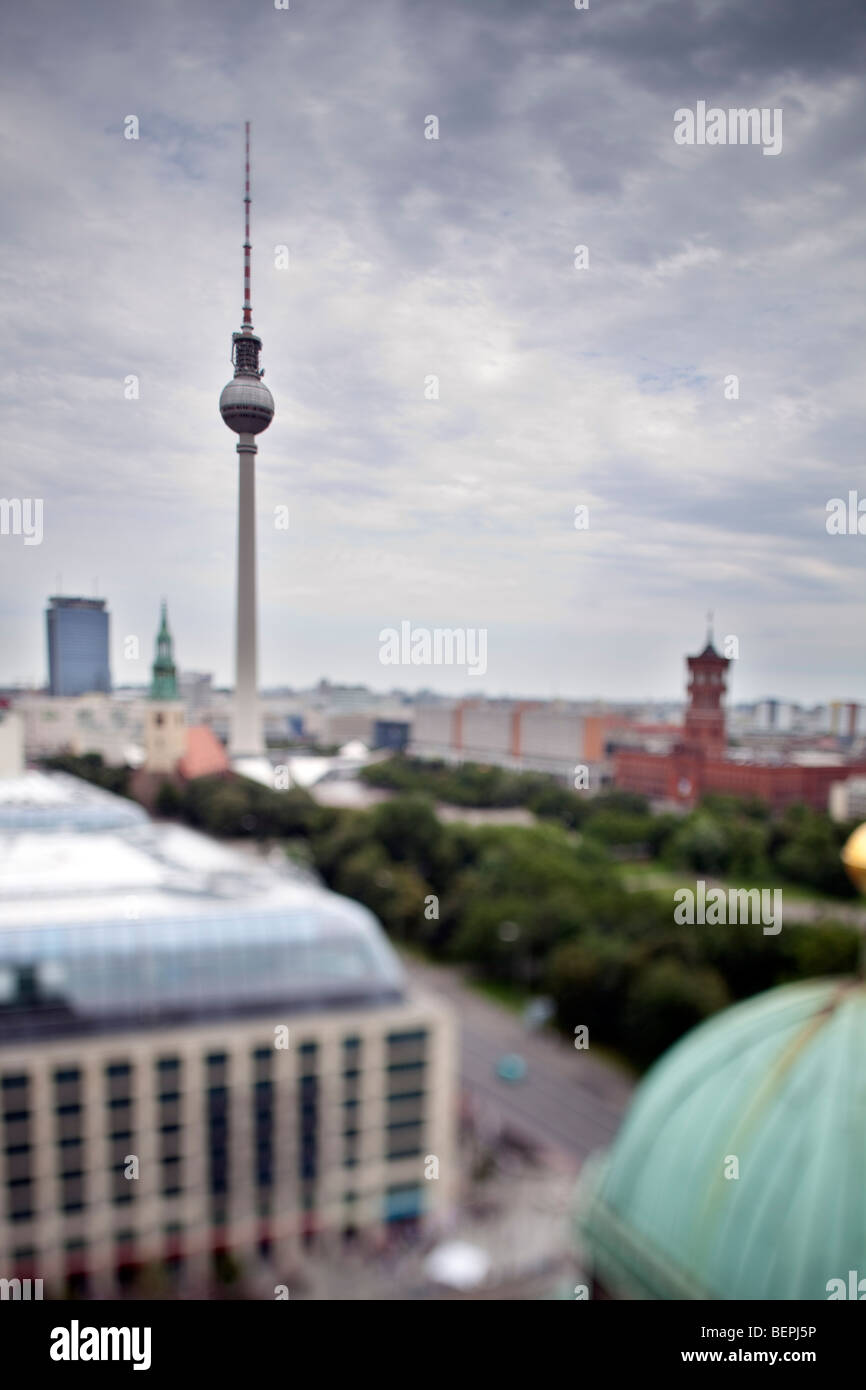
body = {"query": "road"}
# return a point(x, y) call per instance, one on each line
point(570, 1101)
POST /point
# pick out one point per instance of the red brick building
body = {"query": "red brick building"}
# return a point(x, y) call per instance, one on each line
point(696, 764)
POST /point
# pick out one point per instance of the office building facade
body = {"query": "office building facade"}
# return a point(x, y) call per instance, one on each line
point(77, 632)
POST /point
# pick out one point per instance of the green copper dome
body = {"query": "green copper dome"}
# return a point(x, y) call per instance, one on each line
point(779, 1084)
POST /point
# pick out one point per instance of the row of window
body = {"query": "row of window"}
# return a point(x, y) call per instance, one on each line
point(14, 1088)
point(403, 1125)
point(402, 1201)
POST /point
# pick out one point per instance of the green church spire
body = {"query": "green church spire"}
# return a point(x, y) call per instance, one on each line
point(164, 683)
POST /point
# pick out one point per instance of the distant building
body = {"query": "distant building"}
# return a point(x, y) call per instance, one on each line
point(165, 721)
point(11, 743)
point(392, 733)
point(845, 719)
point(77, 630)
point(696, 760)
point(704, 729)
point(82, 724)
point(848, 799)
point(196, 691)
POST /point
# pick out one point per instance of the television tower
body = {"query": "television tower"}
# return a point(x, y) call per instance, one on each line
point(247, 407)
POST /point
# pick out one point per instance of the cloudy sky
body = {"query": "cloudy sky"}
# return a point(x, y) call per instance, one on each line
point(410, 258)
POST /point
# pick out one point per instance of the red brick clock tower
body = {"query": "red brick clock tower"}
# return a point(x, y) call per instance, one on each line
point(705, 717)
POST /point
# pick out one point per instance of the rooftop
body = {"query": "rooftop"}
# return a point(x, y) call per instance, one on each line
point(155, 923)
point(56, 801)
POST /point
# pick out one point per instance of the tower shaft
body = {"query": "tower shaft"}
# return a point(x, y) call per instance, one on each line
point(246, 733)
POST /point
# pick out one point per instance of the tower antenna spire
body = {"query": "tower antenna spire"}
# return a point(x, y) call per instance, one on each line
point(248, 307)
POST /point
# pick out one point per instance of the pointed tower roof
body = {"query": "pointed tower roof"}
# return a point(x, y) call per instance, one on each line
point(163, 685)
point(710, 648)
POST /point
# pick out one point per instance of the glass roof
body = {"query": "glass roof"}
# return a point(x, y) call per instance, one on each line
point(56, 801)
point(157, 920)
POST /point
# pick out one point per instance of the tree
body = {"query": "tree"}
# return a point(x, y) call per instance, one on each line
point(702, 843)
point(587, 980)
point(395, 893)
point(168, 799)
point(664, 1001)
point(812, 856)
point(410, 832)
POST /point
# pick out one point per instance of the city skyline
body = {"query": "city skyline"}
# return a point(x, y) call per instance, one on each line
point(415, 690)
point(410, 257)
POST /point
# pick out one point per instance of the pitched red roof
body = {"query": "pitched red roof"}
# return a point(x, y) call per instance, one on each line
point(204, 755)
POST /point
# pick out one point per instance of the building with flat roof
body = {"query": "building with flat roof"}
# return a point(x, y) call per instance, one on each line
point(77, 631)
point(204, 1061)
point(98, 723)
point(11, 742)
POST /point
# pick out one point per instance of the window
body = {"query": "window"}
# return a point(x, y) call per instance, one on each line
point(403, 1202)
point(404, 1111)
point(170, 1142)
point(14, 1089)
point(122, 1187)
point(262, 1063)
point(20, 1196)
point(72, 1192)
point(171, 1175)
point(407, 1048)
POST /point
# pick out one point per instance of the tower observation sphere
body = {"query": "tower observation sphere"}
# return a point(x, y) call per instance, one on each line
point(246, 404)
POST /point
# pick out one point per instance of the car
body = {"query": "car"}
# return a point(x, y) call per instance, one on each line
point(511, 1067)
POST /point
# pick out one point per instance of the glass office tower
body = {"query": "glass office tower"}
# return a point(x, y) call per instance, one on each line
point(77, 646)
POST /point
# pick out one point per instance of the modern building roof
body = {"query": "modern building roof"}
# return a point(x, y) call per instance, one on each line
point(778, 1084)
point(55, 801)
point(158, 924)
